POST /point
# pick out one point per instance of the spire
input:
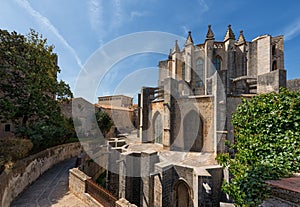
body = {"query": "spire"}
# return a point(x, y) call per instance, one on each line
point(176, 47)
point(170, 54)
point(229, 34)
point(210, 35)
point(189, 39)
point(241, 39)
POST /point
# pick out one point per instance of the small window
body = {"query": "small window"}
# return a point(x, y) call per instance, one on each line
point(7, 128)
point(183, 71)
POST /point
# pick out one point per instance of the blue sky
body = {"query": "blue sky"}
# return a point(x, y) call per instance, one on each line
point(78, 29)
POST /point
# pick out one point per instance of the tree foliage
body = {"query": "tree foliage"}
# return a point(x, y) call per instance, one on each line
point(267, 139)
point(29, 90)
point(104, 122)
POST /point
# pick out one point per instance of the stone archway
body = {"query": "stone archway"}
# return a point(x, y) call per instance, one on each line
point(193, 132)
point(157, 128)
point(183, 194)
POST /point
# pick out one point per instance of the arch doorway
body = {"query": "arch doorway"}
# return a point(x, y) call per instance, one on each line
point(183, 194)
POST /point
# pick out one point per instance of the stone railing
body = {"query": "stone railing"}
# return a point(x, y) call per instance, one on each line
point(78, 185)
point(22, 173)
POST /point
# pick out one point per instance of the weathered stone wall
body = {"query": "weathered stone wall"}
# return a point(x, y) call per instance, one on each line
point(77, 186)
point(272, 81)
point(15, 179)
point(293, 85)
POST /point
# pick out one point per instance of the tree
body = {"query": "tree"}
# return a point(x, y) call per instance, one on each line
point(267, 145)
point(29, 90)
point(104, 122)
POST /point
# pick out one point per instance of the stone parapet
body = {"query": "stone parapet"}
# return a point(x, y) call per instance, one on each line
point(24, 172)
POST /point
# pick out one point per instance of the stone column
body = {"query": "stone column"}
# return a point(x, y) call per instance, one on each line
point(130, 177)
point(170, 93)
point(163, 181)
point(148, 159)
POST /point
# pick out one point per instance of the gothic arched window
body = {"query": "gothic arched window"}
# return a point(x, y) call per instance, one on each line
point(199, 73)
point(183, 71)
point(217, 62)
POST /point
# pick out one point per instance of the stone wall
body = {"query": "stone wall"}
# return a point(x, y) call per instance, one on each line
point(15, 179)
point(77, 186)
point(293, 85)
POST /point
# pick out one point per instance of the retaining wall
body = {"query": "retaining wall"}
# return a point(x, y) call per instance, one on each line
point(15, 179)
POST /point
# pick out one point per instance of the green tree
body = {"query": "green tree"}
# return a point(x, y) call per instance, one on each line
point(267, 139)
point(29, 90)
point(104, 122)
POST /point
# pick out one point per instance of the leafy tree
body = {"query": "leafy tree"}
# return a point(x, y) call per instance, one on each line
point(267, 145)
point(29, 90)
point(104, 122)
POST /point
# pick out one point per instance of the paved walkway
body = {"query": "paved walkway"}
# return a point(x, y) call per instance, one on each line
point(51, 189)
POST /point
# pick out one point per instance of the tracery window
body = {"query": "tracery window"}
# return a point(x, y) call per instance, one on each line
point(199, 73)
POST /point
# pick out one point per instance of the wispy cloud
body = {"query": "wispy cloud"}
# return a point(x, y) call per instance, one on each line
point(203, 5)
point(46, 23)
point(292, 30)
point(137, 14)
point(185, 29)
point(117, 14)
point(96, 17)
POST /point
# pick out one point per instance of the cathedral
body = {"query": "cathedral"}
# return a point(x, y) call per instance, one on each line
point(184, 122)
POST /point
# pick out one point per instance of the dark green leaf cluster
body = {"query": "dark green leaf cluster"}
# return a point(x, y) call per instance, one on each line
point(104, 122)
point(29, 90)
point(267, 138)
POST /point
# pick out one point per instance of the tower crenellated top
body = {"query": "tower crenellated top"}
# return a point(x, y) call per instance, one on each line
point(210, 35)
point(229, 34)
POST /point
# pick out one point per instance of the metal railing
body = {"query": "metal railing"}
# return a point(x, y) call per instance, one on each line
point(100, 194)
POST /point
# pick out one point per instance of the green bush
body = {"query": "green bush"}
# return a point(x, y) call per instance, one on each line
point(267, 138)
point(14, 148)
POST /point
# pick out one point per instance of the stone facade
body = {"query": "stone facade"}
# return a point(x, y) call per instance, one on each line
point(189, 113)
point(121, 110)
point(185, 121)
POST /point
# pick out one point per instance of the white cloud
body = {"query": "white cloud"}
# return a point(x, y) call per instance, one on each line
point(46, 23)
point(292, 30)
point(96, 17)
point(117, 14)
point(203, 5)
point(185, 29)
point(136, 14)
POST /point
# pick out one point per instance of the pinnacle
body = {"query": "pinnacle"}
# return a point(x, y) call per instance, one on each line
point(210, 35)
point(229, 34)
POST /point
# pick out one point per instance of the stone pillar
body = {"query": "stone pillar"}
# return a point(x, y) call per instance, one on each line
point(112, 176)
point(147, 96)
point(148, 159)
point(77, 182)
point(170, 93)
point(130, 177)
point(163, 181)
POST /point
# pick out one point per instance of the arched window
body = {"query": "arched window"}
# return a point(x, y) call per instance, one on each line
point(274, 50)
point(274, 65)
point(217, 62)
point(199, 73)
point(157, 129)
point(183, 71)
point(193, 132)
